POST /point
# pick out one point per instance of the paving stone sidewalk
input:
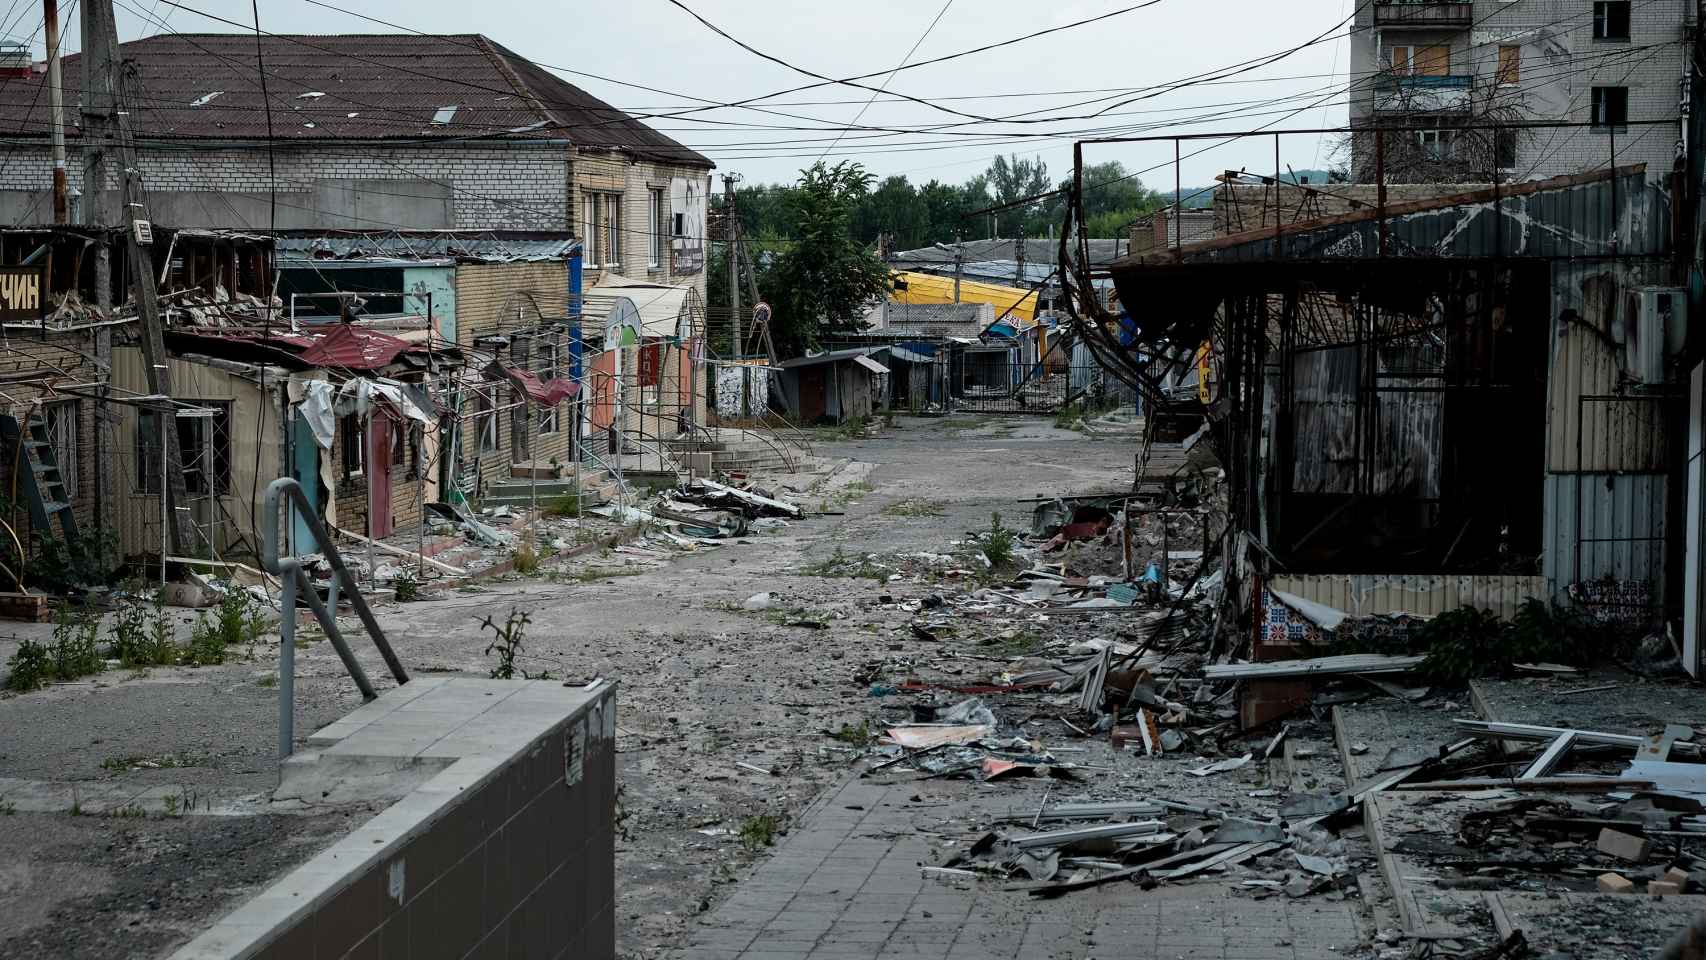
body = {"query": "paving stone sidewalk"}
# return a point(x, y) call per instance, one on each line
point(845, 884)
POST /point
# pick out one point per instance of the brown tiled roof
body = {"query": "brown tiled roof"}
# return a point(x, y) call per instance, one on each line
point(346, 87)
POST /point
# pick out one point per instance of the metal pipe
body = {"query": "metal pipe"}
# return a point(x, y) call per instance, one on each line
point(329, 623)
point(287, 669)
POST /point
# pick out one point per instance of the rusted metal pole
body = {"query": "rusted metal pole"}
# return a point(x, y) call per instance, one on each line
point(56, 105)
point(1380, 184)
point(1279, 207)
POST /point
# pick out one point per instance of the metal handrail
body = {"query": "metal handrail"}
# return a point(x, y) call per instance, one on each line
point(293, 577)
point(793, 430)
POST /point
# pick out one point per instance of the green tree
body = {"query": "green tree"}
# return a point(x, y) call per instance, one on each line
point(1010, 180)
point(824, 279)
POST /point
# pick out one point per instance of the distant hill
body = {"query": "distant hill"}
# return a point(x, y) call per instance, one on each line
point(1198, 198)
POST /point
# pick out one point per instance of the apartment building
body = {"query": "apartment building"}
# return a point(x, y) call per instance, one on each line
point(1457, 80)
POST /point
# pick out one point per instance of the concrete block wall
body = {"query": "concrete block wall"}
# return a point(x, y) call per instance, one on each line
point(521, 186)
point(1560, 64)
point(507, 852)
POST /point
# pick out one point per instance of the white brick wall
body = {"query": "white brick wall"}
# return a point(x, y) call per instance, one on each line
point(1561, 63)
point(522, 187)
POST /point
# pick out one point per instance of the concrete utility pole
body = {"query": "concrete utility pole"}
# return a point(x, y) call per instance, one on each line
point(56, 107)
point(733, 237)
point(101, 133)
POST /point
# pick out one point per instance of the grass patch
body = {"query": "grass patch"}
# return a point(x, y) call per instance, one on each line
point(843, 564)
point(859, 736)
point(962, 423)
point(565, 504)
point(267, 683)
point(525, 559)
point(759, 831)
point(914, 508)
point(7, 808)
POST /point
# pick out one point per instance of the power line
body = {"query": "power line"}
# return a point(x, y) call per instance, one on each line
point(879, 92)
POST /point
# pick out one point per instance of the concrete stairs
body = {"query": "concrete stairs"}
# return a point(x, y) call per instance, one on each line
point(596, 484)
point(743, 455)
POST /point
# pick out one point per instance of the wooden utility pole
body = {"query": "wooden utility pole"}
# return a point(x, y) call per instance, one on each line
point(102, 133)
point(733, 238)
point(56, 108)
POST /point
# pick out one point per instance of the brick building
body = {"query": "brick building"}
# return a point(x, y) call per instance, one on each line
point(1436, 66)
point(380, 132)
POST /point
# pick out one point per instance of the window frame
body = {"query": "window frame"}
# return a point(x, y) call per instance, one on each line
point(550, 419)
point(150, 450)
point(656, 207)
point(1508, 71)
point(352, 446)
point(65, 417)
point(1604, 20)
point(486, 422)
point(1600, 105)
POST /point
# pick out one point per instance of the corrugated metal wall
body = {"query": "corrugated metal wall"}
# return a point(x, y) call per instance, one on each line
point(1363, 595)
point(1614, 522)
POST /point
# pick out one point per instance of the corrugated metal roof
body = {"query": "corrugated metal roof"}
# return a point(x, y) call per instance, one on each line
point(347, 87)
point(1585, 215)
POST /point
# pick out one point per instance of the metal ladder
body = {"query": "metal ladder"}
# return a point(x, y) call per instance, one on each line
point(295, 580)
point(39, 476)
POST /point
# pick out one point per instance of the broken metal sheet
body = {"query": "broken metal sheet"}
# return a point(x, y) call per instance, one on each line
point(1314, 805)
point(1089, 811)
point(1248, 831)
point(1348, 663)
point(718, 491)
point(1314, 864)
point(1106, 831)
point(925, 736)
point(1323, 616)
point(1221, 767)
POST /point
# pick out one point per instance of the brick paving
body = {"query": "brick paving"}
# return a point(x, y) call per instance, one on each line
point(845, 884)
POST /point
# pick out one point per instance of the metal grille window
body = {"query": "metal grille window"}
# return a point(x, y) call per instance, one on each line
point(1611, 20)
point(204, 447)
point(1610, 106)
point(660, 228)
point(63, 434)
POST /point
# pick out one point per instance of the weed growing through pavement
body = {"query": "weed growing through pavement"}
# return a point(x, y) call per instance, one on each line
point(507, 645)
point(858, 736)
point(564, 504)
point(842, 564)
point(406, 588)
point(997, 542)
point(267, 682)
point(7, 808)
point(759, 831)
point(130, 811)
point(167, 761)
point(30, 666)
point(525, 559)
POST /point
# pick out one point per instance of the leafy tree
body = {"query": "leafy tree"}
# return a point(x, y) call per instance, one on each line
point(1013, 179)
point(823, 280)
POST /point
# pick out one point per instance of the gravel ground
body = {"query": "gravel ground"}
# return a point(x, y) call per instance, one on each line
point(705, 685)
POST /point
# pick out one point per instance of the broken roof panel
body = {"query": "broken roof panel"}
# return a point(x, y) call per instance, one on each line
point(485, 246)
point(354, 348)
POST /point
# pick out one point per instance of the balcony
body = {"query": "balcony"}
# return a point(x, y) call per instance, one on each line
point(1423, 14)
point(1415, 93)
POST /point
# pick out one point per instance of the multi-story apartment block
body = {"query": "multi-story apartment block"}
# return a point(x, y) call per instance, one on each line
point(1453, 82)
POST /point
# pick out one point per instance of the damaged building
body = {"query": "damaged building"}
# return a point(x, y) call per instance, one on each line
point(1470, 399)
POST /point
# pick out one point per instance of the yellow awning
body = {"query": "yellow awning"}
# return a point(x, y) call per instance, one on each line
point(1019, 306)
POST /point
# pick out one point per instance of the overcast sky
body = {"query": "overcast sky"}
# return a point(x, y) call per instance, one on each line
point(656, 44)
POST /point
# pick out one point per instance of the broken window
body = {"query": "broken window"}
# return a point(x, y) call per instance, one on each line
point(1610, 106)
point(488, 420)
point(204, 447)
point(353, 438)
point(1611, 20)
point(1435, 144)
point(63, 435)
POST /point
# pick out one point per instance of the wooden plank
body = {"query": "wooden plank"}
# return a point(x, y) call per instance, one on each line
point(1501, 917)
point(1237, 854)
point(384, 547)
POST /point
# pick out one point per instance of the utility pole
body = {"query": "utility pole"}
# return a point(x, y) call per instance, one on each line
point(733, 221)
point(56, 106)
point(1019, 258)
point(101, 133)
point(959, 264)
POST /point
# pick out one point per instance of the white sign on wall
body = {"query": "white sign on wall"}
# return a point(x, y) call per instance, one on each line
point(687, 203)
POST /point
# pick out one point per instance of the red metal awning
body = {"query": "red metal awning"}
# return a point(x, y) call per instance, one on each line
point(545, 392)
point(354, 348)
